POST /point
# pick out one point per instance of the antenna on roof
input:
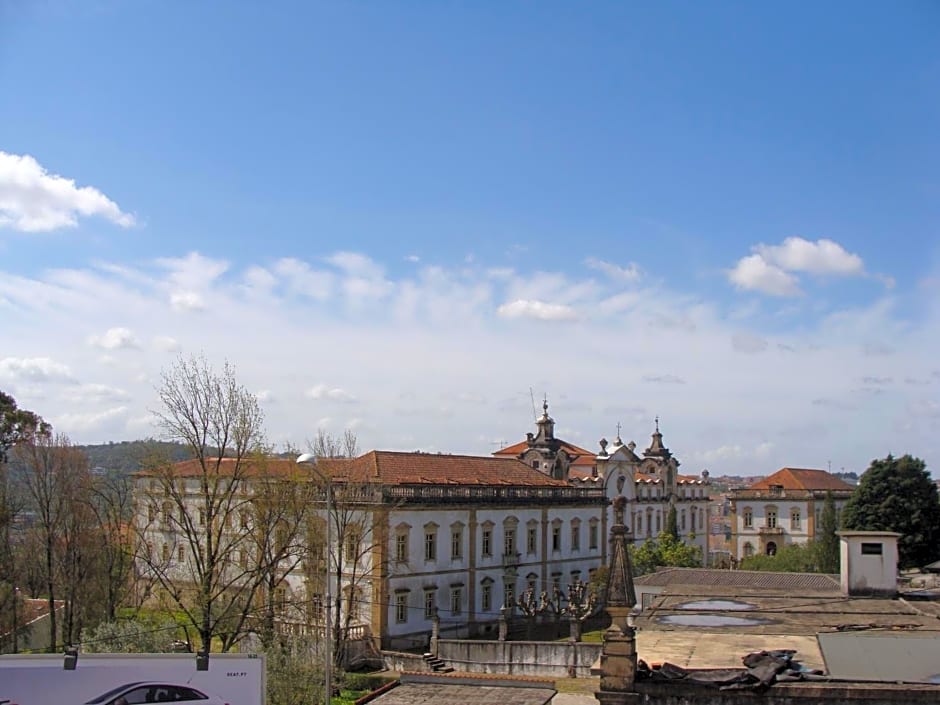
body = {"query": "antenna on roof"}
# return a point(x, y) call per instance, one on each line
point(535, 415)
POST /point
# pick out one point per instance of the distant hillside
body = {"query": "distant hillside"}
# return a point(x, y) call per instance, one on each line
point(127, 456)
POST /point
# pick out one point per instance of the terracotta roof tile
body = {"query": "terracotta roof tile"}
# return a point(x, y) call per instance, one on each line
point(393, 468)
point(522, 446)
point(802, 479)
point(751, 579)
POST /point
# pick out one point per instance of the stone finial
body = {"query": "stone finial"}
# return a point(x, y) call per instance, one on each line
point(603, 444)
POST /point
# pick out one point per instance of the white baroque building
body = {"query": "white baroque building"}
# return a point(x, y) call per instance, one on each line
point(651, 482)
point(461, 536)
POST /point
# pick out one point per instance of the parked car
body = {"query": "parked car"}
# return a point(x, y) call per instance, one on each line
point(155, 692)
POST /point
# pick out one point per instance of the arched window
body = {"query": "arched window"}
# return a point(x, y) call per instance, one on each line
point(771, 548)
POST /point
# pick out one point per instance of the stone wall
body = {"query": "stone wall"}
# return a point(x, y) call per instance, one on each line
point(401, 661)
point(558, 659)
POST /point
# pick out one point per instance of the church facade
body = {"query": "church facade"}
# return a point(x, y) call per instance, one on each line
point(650, 482)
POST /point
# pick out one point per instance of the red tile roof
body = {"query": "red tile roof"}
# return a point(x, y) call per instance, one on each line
point(427, 468)
point(802, 479)
point(522, 446)
point(393, 468)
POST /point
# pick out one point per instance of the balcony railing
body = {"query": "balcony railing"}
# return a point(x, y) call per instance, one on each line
point(771, 531)
point(495, 495)
point(510, 560)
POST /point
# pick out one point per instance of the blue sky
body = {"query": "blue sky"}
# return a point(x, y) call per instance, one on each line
point(401, 216)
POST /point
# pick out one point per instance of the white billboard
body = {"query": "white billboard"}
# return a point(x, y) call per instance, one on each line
point(131, 679)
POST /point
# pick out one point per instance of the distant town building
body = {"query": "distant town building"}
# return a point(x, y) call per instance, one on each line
point(782, 509)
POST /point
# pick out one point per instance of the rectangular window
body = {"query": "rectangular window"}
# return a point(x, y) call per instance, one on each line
point(430, 546)
point(456, 600)
point(556, 538)
point(639, 523)
point(592, 536)
point(456, 544)
point(166, 552)
point(509, 596)
point(575, 538)
point(871, 549)
point(430, 602)
point(180, 553)
point(531, 540)
point(202, 517)
point(795, 519)
point(353, 541)
point(401, 548)
point(509, 542)
point(401, 607)
point(151, 513)
point(486, 597)
point(771, 519)
point(748, 519)
point(659, 521)
point(487, 542)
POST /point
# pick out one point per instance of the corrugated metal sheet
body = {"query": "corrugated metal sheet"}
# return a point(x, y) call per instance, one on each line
point(910, 657)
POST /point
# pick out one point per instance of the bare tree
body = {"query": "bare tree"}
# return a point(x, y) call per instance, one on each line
point(111, 501)
point(356, 500)
point(55, 475)
point(195, 510)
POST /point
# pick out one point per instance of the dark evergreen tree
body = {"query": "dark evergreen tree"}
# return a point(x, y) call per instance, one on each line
point(898, 494)
point(671, 528)
point(827, 543)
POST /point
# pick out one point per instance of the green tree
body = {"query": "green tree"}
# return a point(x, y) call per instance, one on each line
point(671, 527)
point(827, 545)
point(665, 550)
point(897, 494)
point(791, 558)
point(133, 636)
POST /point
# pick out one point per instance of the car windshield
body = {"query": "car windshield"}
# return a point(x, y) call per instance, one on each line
point(110, 694)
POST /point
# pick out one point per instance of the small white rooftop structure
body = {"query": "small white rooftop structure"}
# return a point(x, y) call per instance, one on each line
point(869, 562)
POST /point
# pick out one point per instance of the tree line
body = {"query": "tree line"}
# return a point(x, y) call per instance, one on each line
point(211, 547)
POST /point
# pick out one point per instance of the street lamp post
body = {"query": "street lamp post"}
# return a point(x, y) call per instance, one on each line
point(311, 460)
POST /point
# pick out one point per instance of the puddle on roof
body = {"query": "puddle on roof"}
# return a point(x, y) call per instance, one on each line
point(718, 605)
point(711, 620)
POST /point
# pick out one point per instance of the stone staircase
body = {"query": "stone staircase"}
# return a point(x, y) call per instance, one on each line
point(437, 665)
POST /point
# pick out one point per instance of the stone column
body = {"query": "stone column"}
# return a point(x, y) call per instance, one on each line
point(503, 623)
point(435, 632)
point(618, 656)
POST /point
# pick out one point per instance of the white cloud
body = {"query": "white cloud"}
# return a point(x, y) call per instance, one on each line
point(186, 301)
point(770, 269)
point(35, 369)
point(115, 339)
point(663, 379)
point(33, 200)
point(94, 393)
point(539, 310)
point(630, 273)
point(300, 278)
point(266, 396)
point(89, 421)
point(821, 257)
point(166, 343)
point(323, 392)
point(747, 343)
point(754, 273)
point(437, 336)
point(412, 258)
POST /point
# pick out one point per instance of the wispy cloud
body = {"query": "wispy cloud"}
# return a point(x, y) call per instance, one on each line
point(539, 310)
